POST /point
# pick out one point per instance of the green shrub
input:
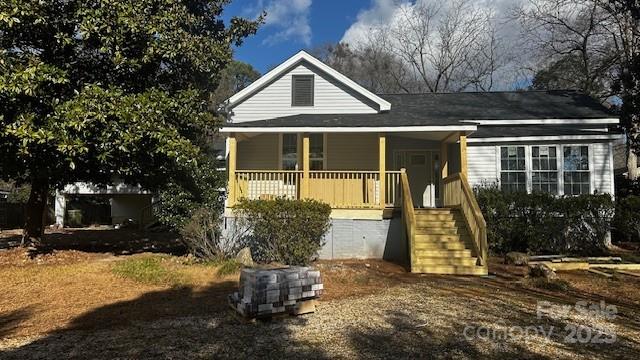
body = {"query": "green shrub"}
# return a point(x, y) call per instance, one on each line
point(202, 237)
point(147, 270)
point(626, 222)
point(542, 223)
point(194, 187)
point(283, 230)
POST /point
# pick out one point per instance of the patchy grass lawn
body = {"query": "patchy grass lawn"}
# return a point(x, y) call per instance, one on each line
point(149, 270)
point(97, 305)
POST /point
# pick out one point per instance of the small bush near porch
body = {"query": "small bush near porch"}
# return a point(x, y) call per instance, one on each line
point(541, 223)
point(283, 230)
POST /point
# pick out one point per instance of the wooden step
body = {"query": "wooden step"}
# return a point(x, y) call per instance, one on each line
point(440, 211)
point(440, 231)
point(434, 217)
point(450, 270)
point(466, 261)
point(436, 223)
point(440, 245)
point(438, 237)
point(444, 253)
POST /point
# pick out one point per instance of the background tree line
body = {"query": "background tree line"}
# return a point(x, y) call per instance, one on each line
point(587, 45)
point(107, 90)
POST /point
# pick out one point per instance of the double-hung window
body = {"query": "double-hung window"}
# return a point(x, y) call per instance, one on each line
point(289, 151)
point(316, 151)
point(513, 171)
point(290, 155)
point(544, 169)
point(577, 179)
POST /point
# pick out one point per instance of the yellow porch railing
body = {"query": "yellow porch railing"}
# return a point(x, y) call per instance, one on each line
point(458, 194)
point(267, 184)
point(393, 191)
point(340, 189)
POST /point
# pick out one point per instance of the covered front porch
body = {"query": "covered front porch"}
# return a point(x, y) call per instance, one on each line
point(345, 170)
point(364, 176)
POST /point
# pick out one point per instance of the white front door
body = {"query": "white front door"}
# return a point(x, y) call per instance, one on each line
point(421, 174)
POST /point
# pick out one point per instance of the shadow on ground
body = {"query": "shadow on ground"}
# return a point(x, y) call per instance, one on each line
point(179, 323)
point(117, 242)
point(12, 320)
point(422, 319)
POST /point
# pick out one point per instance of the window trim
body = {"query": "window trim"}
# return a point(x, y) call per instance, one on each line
point(589, 161)
point(324, 152)
point(527, 161)
point(559, 159)
point(299, 150)
point(293, 89)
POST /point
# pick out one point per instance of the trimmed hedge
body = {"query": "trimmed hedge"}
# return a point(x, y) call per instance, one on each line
point(626, 223)
point(540, 223)
point(282, 230)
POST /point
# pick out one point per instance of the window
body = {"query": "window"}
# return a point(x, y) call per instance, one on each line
point(302, 90)
point(316, 151)
point(577, 179)
point(289, 151)
point(544, 169)
point(513, 172)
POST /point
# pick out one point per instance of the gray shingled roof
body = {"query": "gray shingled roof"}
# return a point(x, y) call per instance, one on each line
point(451, 108)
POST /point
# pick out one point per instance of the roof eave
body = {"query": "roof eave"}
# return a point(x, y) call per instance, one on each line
point(348, 129)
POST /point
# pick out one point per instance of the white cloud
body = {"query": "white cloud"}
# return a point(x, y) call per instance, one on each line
point(386, 14)
point(381, 13)
point(289, 20)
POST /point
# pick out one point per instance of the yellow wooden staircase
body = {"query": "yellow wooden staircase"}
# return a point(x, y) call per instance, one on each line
point(443, 244)
point(450, 240)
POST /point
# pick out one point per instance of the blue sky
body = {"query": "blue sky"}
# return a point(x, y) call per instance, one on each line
point(293, 25)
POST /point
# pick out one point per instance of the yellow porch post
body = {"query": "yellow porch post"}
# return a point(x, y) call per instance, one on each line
point(463, 153)
point(231, 163)
point(305, 166)
point(382, 165)
point(444, 159)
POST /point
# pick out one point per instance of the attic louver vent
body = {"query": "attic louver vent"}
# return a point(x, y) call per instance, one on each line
point(302, 90)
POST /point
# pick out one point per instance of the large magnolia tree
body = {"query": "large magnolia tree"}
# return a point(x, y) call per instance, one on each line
point(94, 90)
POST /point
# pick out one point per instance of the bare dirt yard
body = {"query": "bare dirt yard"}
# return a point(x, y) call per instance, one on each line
point(111, 294)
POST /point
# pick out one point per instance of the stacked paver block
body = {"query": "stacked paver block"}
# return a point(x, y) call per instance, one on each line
point(265, 292)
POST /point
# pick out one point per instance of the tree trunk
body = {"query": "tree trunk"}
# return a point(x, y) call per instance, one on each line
point(632, 165)
point(34, 220)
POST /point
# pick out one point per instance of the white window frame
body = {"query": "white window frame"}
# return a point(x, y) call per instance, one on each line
point(592, 182)
point(280, 148)
point(559, 160)
point(527, 161)
point(324, 152)
point(299, 151)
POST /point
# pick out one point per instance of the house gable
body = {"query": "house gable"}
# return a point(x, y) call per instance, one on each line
point(333, 93)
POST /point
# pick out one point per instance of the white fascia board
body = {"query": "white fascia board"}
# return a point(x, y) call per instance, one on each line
point(294, 60)
point(544, 121)
point(545, 138)
point(360, 129)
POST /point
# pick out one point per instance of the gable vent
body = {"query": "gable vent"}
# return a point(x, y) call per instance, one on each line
point(302, 90)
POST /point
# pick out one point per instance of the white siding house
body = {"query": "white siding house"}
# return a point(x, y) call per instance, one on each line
point(304, 130)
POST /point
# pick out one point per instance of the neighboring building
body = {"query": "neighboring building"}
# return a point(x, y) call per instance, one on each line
point(125, 203)
point(303, 130)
